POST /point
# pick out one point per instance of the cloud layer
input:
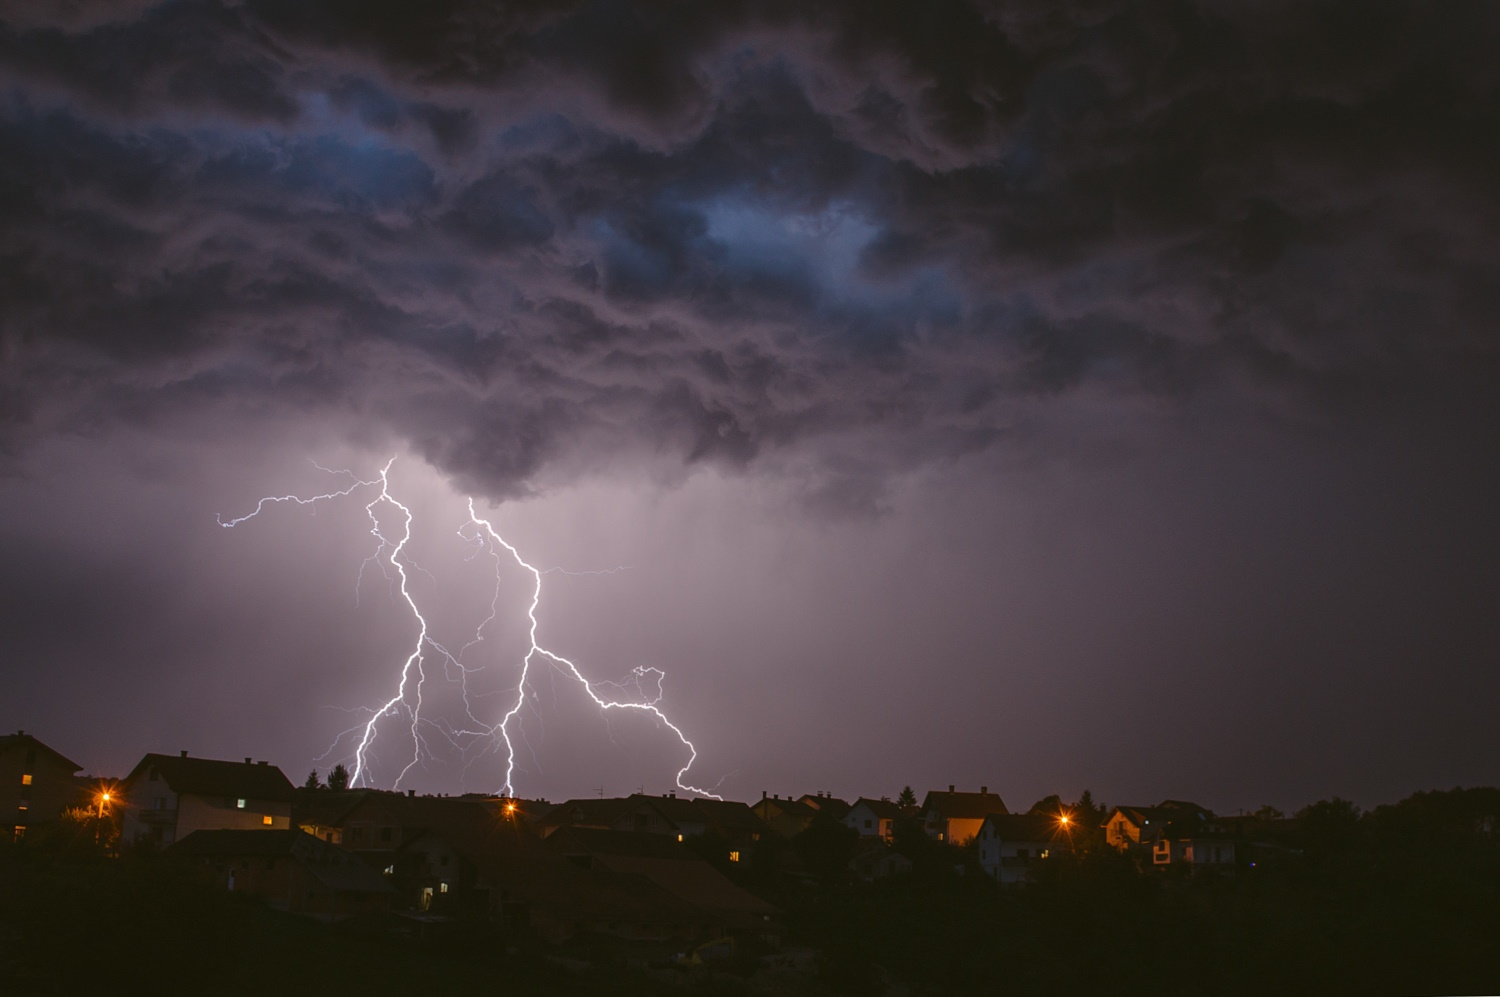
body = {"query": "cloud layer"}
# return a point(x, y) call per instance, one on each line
point(831, 243)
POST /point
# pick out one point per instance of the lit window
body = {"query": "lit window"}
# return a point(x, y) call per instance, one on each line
point(239, 804)
point(679, 837)
point(20, 832)
point(22, 808)
point(442, 887)
point(266, 820)
point(390, 870)
point(734, 856)
point(25, 780)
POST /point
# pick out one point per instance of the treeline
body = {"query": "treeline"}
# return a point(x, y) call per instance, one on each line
point(1403, 899)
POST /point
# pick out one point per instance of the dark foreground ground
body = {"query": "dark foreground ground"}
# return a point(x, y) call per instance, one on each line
point(1362, 909)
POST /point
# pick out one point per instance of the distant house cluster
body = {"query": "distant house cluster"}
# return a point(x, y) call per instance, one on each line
point(643, 868)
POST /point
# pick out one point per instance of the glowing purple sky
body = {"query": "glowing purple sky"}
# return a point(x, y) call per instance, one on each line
point(1037, 395)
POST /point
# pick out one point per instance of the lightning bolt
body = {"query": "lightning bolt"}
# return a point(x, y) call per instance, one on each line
point(407, 698)
point(568, 667)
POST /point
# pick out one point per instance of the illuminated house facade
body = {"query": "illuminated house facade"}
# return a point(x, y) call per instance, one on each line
point(37, 784)
point(1172, 834)
point(955, 818)
point(873, 818)
point(168, 797)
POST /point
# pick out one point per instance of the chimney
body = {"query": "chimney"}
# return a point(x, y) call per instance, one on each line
point(950, 787)
point(263, 763)
point(763, 794)
point(182, 753)
point(984, 790)
point(410, 793)
point(673, 794)
point(247, 761)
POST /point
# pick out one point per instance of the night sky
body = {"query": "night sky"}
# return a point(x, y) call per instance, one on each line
point(1042, 395)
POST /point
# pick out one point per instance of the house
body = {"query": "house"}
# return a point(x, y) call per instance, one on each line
point(289, 869)
point(955, 818)
point(595, 813)
point(1130, 825)
point(697, 898)
point(381, 821)
point(321, 812)
point(736, 823)
point(873, 818)
point(37, 783)
point(787, 817)
point(875, 859)
point(1011, 845)
point(665, 815)
point(473, 862)
point(169, 797)
point(1174, 833)
point(826, 804)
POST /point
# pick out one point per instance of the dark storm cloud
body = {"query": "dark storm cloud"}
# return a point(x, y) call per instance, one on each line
point(848, 240)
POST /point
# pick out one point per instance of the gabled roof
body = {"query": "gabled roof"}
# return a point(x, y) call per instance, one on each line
point(731, 816)
point(1023, 827)
point(522, 867)
point(325, 806)
point(963, 806)
point(584, 813)
point(678, 812)
point(20, 739)
point(789, 807)
point(884, 809)
point(1165, 813)
point(828, 806)
point(211, 777)
point(668, 865)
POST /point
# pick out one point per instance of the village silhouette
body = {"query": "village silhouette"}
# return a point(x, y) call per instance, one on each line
point(226, 866)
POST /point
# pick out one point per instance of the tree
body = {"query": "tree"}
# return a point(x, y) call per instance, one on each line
point(907, 800)
point(313, 782)
point(1268, 813)
point(1050, 806)
point(339, 777)
point(1329, 827)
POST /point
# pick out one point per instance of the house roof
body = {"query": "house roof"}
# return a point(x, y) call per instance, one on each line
point(584, 813)
point(884, 809)
point(524, 868)
point(211, 777)
point(828, 806)
point(1171, 810)
point(963, 806)
point(679, 812)
point(670, 866)
point(21, 739)
point(731, 816)
point(789, 807)
point(1024, 827)
point(332, 866)
point(325, 806)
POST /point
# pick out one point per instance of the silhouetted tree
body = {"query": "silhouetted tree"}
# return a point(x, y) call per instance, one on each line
point(1051, 806)
point(907, 800)
point(1268, 813)
point(313, 782)
point(1328, 827)
point(339, 777)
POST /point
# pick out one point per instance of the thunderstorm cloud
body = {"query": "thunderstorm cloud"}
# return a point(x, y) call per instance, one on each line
point(834, 247)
